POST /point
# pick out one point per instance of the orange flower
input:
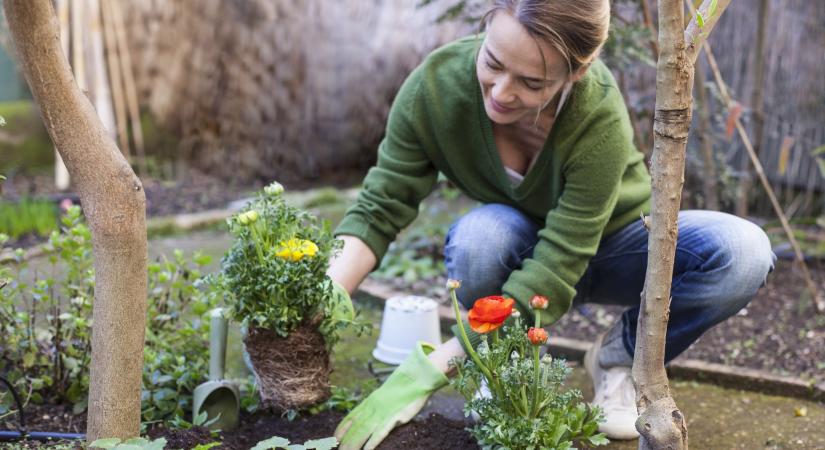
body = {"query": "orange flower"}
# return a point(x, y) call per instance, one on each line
point(489, 313)
point(539, 302)
point(537, 336)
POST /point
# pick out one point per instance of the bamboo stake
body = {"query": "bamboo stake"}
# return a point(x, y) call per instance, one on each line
point(648, 19)
point(115, 78)
point(819, 301)
point(61, 173)
point(129, 85)
point(99, 82)
point(711, 174)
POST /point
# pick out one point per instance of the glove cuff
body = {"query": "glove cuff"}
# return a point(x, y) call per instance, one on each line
point(421, 370)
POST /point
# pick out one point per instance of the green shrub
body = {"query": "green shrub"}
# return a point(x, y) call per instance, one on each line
point(28, 216)
point(45, 327)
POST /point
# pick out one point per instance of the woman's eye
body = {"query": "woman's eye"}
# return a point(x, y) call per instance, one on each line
point(492, 66)
point(533, 86)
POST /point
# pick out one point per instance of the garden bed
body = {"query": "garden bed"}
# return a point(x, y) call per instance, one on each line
point(432, 432)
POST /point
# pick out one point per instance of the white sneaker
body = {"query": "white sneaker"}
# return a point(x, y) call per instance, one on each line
point(615, 394)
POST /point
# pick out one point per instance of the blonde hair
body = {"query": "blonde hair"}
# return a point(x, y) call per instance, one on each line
point(577, 29)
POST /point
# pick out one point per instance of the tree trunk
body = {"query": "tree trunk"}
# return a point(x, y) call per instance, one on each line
point(660, 423)
point(114, 204)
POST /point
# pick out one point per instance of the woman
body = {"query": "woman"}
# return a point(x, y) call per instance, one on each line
point(526, 120)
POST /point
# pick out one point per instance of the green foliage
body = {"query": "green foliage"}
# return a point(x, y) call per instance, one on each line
point(283, 443)
point(274, 275)
point(28, 216)
point(45, 327)
point(130, 444)
point(508, 420)
point(177, 334)
point(45, 330)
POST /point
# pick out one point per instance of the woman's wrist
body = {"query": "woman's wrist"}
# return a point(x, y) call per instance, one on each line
point(352, 264)
point(446, 352)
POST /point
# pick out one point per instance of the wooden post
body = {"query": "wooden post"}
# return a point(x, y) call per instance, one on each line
point(115, 78)
point(129, 85)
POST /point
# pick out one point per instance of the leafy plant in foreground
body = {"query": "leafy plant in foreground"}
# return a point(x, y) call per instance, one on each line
point(527, 407)
point(274, 275)
point(45, 326)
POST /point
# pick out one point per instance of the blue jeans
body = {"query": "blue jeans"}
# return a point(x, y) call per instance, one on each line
point(721, 261)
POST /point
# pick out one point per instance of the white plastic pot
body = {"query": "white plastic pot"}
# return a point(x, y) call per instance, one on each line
point(407, 319)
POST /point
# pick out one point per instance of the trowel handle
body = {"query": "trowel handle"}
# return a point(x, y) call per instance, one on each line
point(217, 344)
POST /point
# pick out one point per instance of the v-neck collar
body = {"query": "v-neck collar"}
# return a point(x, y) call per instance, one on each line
point(537, 168)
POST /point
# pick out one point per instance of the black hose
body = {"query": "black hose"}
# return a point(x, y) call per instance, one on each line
point(22, 427)
point(39, 436)
point(34, 435)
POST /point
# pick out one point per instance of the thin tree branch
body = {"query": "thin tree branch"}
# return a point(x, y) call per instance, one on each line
point(694, 35)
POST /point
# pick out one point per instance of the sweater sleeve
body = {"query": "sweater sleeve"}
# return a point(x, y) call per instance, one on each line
point(402, 177)
point(573, 229)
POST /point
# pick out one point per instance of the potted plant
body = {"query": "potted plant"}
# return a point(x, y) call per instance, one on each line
point(527, 407)
point(275, 284)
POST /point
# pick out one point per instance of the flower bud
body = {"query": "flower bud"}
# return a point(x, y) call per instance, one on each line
point(453, 284)
point(537, 336)
point(274, 189)
point(252, 216)
point(539, 302)
point(243, 219)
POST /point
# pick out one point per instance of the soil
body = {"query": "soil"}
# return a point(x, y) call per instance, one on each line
point(432, 432)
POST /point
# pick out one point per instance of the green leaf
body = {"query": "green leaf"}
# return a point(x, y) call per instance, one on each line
point(157, 444)
point(28, 360)
point(700, 20)
point(107, 444)
point(206, 446)
point(712, 8)
point(598, 439)
point(271, 443)
point(128, 447)
point(322, 444)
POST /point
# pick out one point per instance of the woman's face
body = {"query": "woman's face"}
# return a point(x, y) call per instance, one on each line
point(516, 82)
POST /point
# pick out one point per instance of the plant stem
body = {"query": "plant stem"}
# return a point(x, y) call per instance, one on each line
point(470, 350)
point(536, 370)
point(256, 240)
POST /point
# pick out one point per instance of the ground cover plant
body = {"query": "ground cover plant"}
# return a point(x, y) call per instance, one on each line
point(526, 407)
point(46, 327)
point(27, 216)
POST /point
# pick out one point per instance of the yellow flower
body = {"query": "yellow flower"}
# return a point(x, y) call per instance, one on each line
point(295, 249)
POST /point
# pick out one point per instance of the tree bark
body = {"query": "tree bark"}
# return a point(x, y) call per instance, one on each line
point(660, 423)
point(115, 207)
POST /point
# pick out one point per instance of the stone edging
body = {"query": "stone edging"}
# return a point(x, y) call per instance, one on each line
point(684, 369)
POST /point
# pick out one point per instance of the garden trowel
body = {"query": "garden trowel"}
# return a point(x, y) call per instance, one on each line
point(218, 398)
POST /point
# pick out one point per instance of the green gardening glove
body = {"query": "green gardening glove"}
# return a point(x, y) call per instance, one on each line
point(342, 310)
point(396, 402)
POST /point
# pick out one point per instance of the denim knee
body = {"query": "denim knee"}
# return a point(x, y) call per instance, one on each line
point(484, 246)
point(742, 259)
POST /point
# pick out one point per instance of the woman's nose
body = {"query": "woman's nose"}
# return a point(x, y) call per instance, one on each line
point(502, 91)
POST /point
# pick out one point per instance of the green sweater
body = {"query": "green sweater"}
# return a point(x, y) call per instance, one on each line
point(588, 181)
